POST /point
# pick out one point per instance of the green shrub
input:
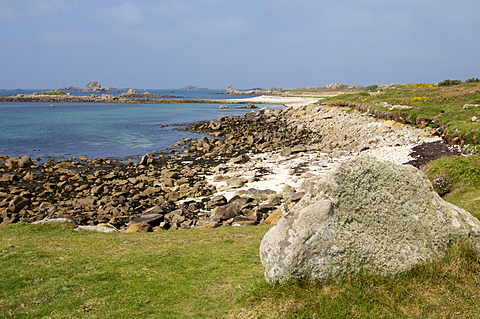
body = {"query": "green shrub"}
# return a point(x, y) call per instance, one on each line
point(449, 82)
point(53, 92)
point(372, 88)
point(473, 80)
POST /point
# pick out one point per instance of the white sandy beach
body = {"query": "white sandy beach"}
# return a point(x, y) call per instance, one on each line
point(285, 100)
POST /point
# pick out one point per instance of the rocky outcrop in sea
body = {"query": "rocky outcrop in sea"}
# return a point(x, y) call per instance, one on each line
point(93, 87)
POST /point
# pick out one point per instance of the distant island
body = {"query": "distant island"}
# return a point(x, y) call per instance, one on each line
point(192, 87)
point(93, 87)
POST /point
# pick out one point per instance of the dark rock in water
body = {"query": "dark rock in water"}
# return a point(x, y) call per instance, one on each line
point(367, 215)
point(147, 159)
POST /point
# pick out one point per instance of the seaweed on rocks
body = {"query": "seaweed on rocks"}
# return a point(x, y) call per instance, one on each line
point(427, 152)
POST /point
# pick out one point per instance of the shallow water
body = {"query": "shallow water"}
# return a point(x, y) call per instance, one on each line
point(97, 129)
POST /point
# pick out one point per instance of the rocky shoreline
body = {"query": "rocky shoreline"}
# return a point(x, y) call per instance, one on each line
point(248, 171)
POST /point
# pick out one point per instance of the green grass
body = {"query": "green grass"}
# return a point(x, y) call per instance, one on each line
point(443, 106)
point(52, 271)
point(457, 179)
point(53, 92)
point(56, 272)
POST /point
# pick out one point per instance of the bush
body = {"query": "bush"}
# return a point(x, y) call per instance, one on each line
point(449, 82)
point(372, 88)
point(419, 98)
point(473, 80)
point(420, 85)
point(53, 92)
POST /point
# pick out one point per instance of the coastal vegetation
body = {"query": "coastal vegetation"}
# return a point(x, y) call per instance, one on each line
point(451, 109)
point(52, 92)
point(457, 180)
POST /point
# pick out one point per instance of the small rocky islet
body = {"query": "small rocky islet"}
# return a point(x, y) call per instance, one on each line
point(188, 187)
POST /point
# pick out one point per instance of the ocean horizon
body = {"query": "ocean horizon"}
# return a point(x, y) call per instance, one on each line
point(122, 131)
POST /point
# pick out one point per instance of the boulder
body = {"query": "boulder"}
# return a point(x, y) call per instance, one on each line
point(299, 149)
point(25, 161)
point(218, 200)
point(139, 228)
point(226, 211)
point(236, 183)
point(240, 159)
point(249, 219)
point(99, 228)
point(286, 151)
point(151, 219)
point(53, 221)
point(147, 159)
point(366, 215)
point(18, 203)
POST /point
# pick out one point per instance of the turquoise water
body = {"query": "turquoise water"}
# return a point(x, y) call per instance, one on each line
point(123, 131)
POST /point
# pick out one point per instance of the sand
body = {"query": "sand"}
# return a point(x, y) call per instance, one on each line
point(285, 100)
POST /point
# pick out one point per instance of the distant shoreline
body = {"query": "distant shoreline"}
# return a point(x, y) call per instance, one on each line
point(294, 101)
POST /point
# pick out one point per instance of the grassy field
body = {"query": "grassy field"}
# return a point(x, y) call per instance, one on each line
point(52, 271)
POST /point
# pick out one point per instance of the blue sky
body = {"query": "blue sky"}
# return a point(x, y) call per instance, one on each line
point(245, 44)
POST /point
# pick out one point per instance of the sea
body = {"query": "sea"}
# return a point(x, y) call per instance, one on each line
point(121, 131)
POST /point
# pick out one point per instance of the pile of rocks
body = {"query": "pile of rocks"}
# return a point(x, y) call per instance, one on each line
point(101, 191)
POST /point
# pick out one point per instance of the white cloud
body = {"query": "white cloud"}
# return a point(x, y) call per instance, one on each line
point(126, 14)
point(71, 38)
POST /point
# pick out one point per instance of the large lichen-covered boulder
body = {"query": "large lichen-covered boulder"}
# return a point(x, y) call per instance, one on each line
point(367, 215)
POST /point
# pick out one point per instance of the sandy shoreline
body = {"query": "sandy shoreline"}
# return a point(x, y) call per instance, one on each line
point(285, 100)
